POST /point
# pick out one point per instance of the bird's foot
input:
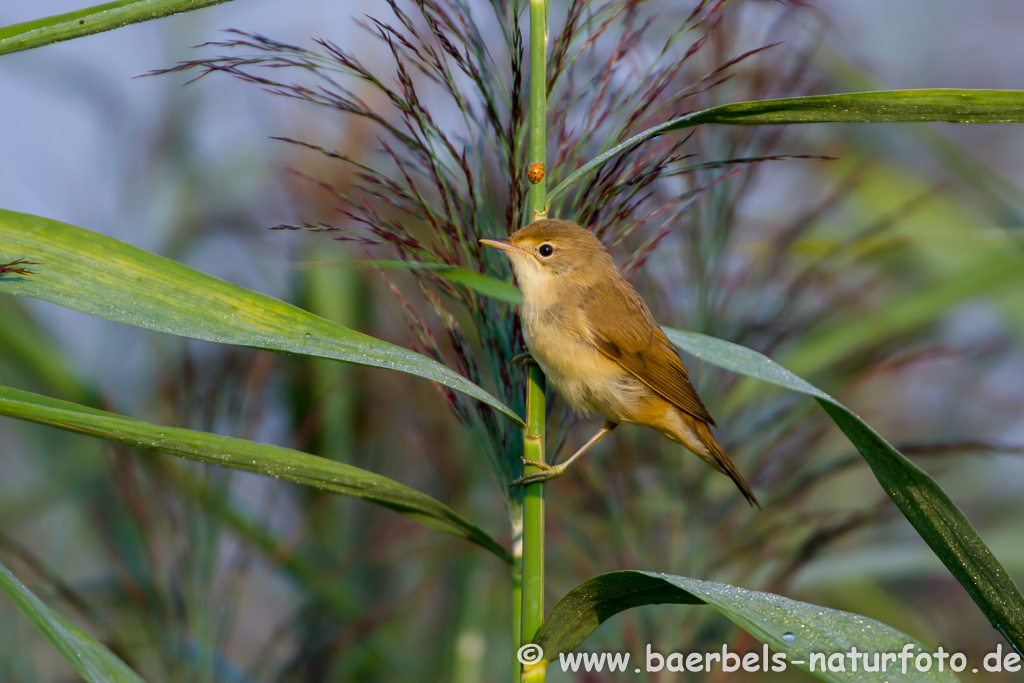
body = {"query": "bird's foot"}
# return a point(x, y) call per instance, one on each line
point(548, 472)
point(524, 358)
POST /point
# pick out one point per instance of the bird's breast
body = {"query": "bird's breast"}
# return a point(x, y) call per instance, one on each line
point(588, 380)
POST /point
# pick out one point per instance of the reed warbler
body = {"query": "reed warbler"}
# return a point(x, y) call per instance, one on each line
point(596, 340)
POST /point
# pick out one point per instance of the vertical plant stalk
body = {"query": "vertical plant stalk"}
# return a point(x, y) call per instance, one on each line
point(538, 102)
point(533, 520)
point(533, 441)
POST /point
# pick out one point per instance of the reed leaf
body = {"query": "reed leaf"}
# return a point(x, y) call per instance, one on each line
point(92, 661)
point(240, 454)
point(882, 106)
point(95, 274)
point(795, 630)
point(89, 20)
point(478, 282)
point(919, 497)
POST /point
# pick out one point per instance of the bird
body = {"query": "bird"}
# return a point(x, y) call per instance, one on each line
point(595, 339)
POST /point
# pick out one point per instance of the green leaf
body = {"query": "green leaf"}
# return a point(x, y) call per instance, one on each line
point(478, 282)
point(921, 500)
point(101, 276)
point(795, 629)
point(955, 106)
point(272, 461)
point(85, 654)
point(95, 19)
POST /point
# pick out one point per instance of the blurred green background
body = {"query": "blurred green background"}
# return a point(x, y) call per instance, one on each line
point(881, 276)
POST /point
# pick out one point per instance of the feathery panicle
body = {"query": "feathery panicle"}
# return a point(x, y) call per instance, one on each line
point(447, 114)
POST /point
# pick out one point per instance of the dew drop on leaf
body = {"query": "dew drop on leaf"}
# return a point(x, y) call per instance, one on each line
point(788, 637)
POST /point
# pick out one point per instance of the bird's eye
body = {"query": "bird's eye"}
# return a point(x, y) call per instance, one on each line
point(546, 250)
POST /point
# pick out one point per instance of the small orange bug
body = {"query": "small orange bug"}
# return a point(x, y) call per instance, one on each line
point(536, 172)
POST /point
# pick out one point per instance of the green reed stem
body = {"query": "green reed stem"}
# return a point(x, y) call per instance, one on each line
point(533, 517)
point(533, 442)
point(538, 100)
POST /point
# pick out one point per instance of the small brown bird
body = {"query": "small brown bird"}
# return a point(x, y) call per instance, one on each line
point(596, 340)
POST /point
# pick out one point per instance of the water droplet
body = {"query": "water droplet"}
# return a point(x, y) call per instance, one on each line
point(307, 336)
point(788, 637)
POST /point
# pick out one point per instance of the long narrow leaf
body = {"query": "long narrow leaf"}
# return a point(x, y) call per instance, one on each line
point(101, 276)
point(955, 106)
point(921, 500)
point(85, 654)
point(799, 632)
point(478, 282)
point(95, 19)
point(272, 461)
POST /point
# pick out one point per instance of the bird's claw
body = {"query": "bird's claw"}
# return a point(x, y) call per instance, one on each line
point(534, 478)
point(538, 464)
point(548, 472)
point(524, 358)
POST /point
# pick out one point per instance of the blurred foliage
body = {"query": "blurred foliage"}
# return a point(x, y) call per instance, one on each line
point(874, 276)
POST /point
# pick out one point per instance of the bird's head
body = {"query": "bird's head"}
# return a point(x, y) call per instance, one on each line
point(554, 254)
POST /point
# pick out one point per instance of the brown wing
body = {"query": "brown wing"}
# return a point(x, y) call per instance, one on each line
point(640, 346)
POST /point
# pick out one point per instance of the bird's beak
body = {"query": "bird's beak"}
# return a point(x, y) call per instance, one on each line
point(504, 245)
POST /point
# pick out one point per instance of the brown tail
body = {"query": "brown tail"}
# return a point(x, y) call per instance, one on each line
point(719, 460)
